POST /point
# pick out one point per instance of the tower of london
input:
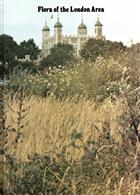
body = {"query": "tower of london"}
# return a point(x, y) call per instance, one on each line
point(77, 41)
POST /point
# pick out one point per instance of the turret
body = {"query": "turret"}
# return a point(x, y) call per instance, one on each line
point(58, 32)
point(45, 39)
point(82, 30)
point(98, 29)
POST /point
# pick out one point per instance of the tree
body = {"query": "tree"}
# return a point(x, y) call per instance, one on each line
point(8, 51)
point(8, 48)
point(94, 48)
point(28, 48)
point(61, 54)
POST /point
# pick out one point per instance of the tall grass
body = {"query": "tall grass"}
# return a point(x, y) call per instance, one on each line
point(49, 122)
point(75, 130)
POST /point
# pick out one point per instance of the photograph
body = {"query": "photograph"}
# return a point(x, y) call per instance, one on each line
point(69, 97)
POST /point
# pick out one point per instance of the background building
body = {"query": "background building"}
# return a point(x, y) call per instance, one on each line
point(77, 41)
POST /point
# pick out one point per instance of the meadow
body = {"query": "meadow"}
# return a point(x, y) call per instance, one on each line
point(74, 130)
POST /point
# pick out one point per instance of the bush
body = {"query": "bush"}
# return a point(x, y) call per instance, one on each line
point(92, 80)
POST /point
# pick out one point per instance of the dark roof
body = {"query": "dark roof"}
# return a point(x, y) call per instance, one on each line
point(58, 24)
point(82, 26)
point(46, 28)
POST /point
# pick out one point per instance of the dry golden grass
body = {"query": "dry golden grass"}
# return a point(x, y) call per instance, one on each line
point(49, 123)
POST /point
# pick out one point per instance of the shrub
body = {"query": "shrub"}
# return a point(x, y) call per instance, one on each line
point(96, 80)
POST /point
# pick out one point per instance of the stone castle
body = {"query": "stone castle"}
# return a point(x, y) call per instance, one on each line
point(77, 41)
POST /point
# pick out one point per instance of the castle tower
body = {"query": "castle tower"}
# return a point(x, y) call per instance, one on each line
point(45, 40)
point(98, 29)
point(58, 32)
point(82, 36)
point(82, 30)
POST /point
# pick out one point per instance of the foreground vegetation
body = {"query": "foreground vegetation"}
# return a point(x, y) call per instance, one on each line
point(73, 129)
point(73, 144)
point(64, 147)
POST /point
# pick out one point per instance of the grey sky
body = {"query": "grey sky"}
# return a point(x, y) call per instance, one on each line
point(121, 18)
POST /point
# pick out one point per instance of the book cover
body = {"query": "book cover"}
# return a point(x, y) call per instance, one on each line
point(69, 97)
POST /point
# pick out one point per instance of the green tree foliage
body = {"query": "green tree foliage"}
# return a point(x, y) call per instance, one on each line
point(8, 48)
point(28, 48)
point(94, 48)
point(61, 54)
